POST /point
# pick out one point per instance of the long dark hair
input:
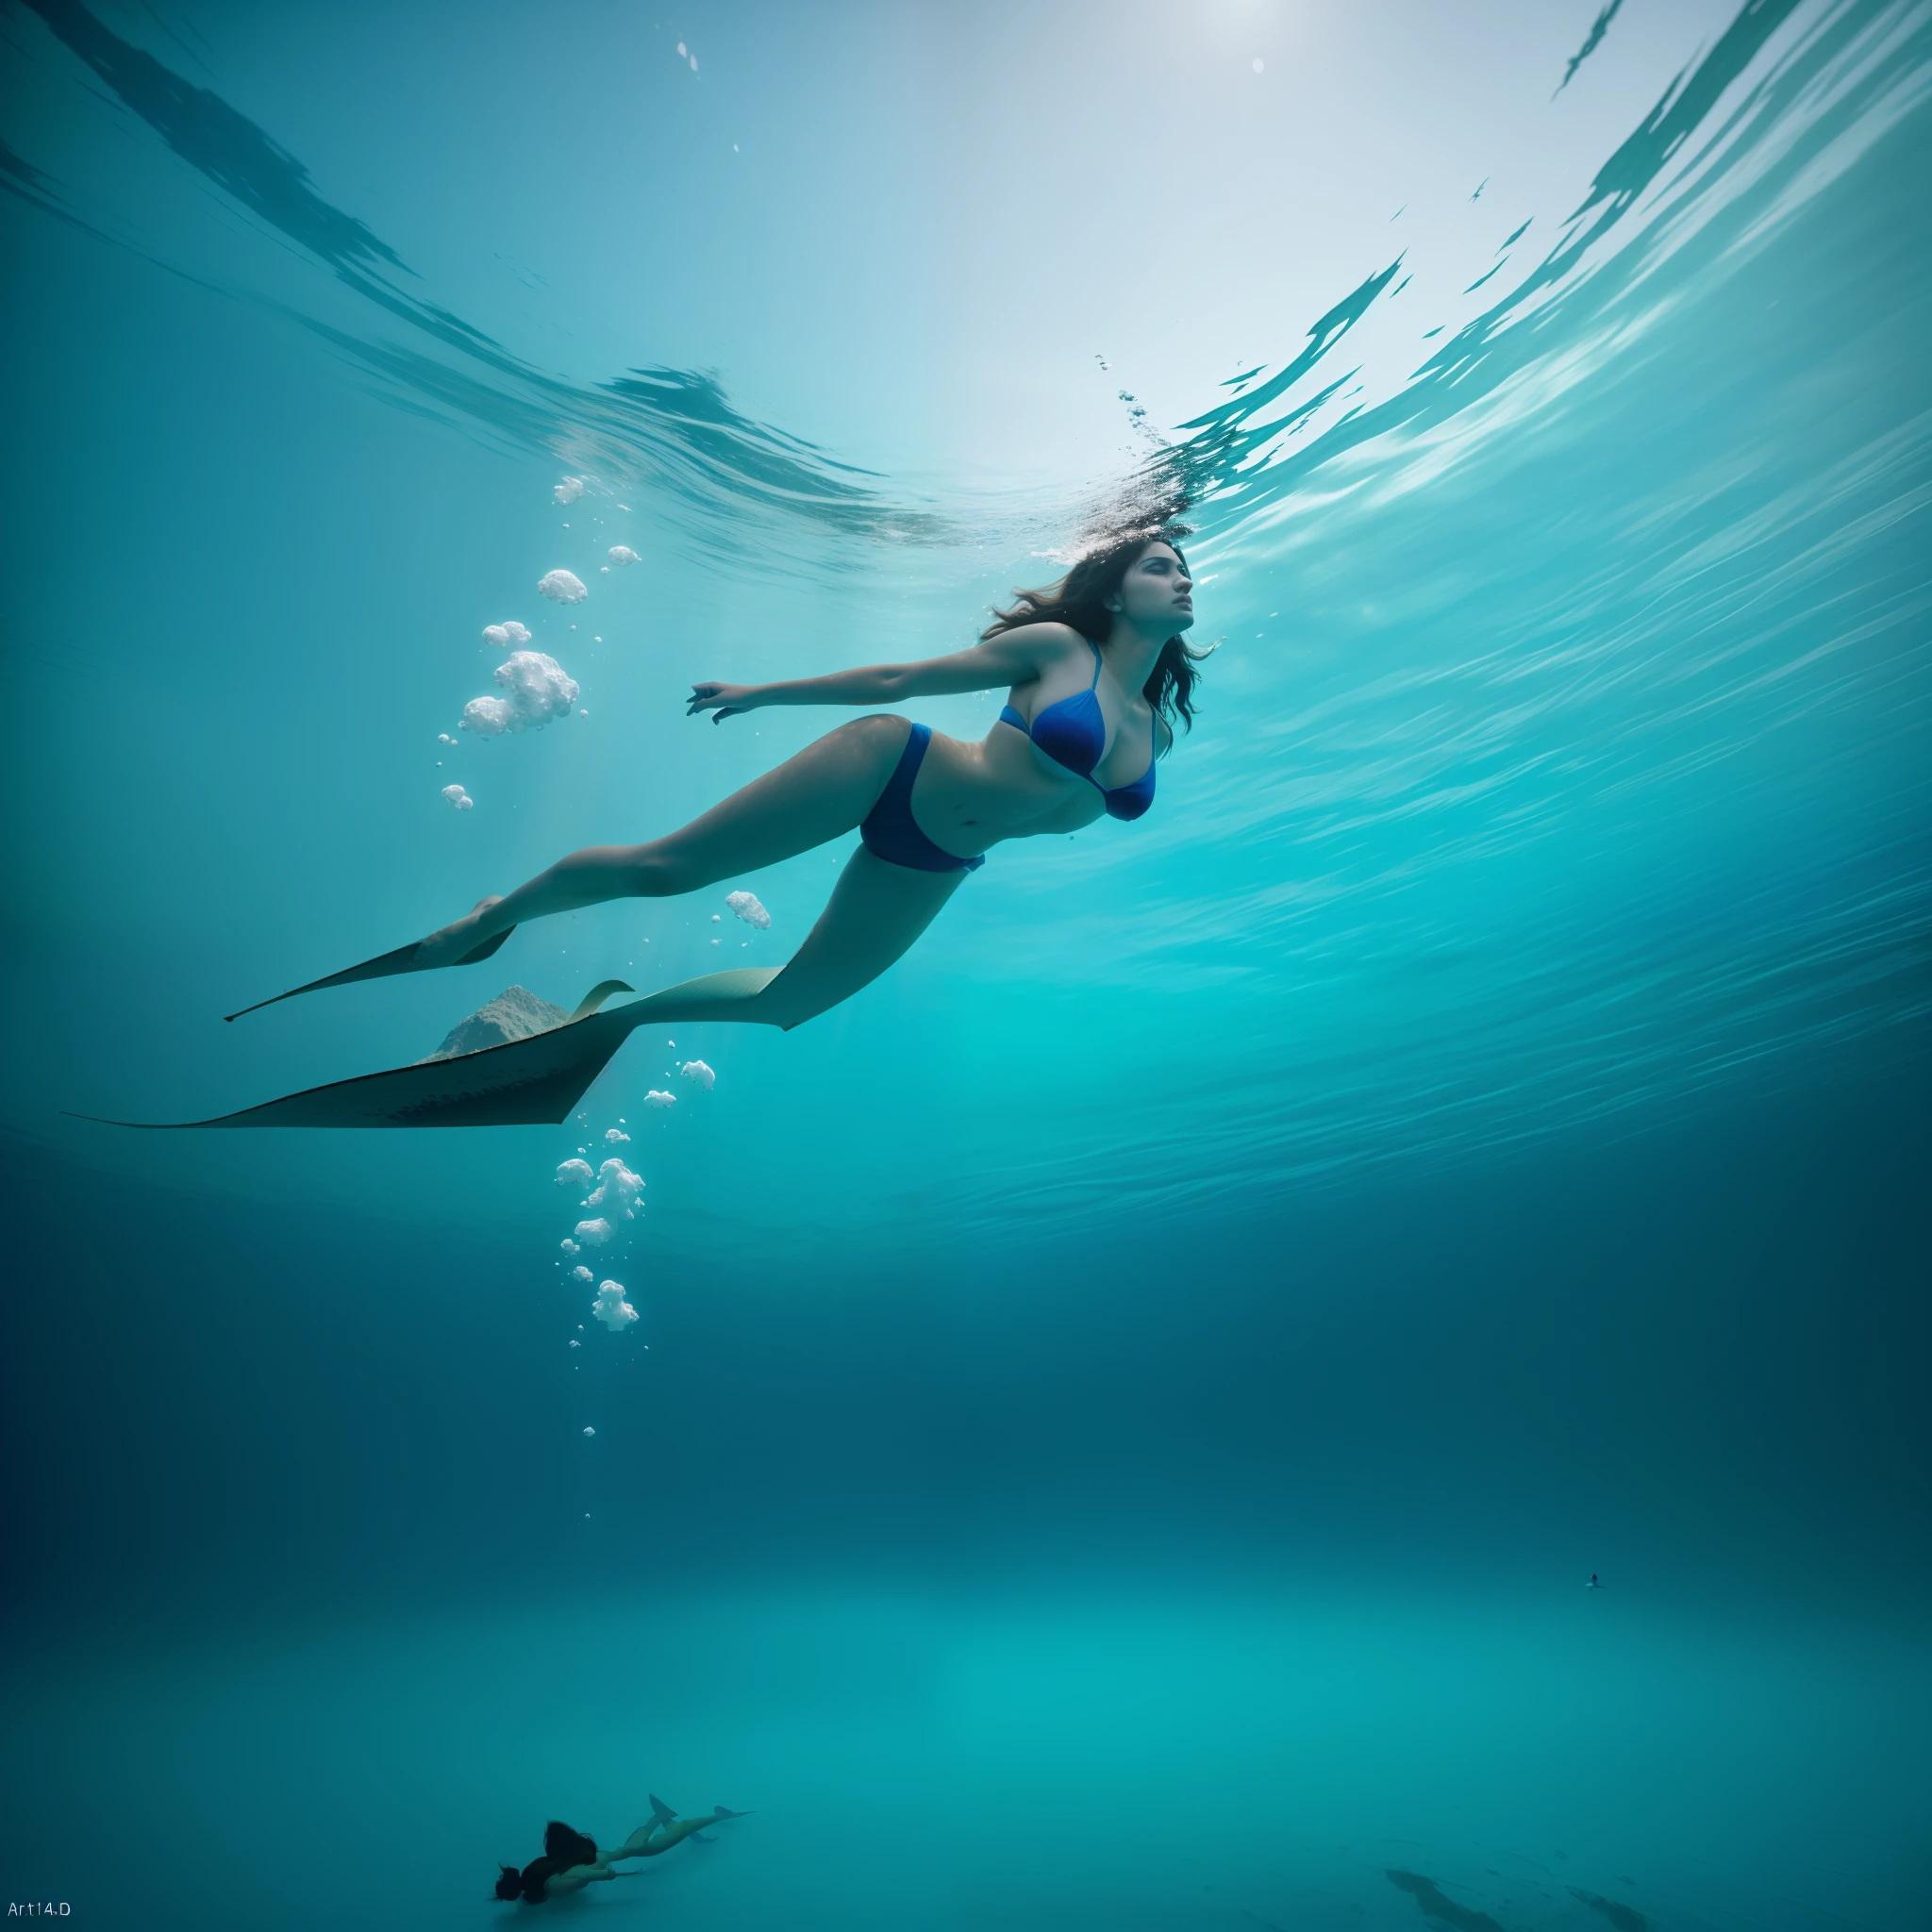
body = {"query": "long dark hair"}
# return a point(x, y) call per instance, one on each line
point(1079, 599)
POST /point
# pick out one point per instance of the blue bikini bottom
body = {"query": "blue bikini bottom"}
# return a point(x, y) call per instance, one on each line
point(889, 830)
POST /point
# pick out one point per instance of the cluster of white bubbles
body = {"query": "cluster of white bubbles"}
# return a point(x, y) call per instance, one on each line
point(459, 798)
point(611, 1201)
point(562, 586)
point(611, 1196)
point(622, 554)
point(536, 693)
point(617, 1189)
point(507, 636)
point(747, 907)
point(568, 490)
point(611, 1309)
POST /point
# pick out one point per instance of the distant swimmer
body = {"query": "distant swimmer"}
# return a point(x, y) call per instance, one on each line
point(1593, 1584)
point(571, 1861)
point(1098, 676)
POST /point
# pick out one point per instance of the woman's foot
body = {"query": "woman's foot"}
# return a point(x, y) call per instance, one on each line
point(448, 947)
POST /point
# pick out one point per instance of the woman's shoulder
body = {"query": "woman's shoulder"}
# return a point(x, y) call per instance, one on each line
point(1048, 636)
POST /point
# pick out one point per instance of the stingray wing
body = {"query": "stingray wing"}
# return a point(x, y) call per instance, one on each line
point(385, 964)
point(524, 1083)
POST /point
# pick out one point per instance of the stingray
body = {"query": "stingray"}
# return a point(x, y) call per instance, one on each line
point(403, 959)
point(532, 1082)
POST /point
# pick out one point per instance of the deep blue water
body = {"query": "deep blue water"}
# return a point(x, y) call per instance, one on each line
point(1122, 1412)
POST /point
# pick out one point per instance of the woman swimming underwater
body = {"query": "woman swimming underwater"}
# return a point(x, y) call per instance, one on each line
point(1096, 674)
point(571, 1861)
point(1078, 737)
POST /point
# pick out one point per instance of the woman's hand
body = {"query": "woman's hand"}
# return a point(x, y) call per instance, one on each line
point(721, 700)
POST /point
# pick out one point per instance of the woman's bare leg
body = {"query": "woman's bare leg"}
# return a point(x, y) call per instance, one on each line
point(653, 1840)
point(877, 909)
point(821, 792)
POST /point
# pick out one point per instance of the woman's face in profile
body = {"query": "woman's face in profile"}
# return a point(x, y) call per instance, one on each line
point(1156, 594)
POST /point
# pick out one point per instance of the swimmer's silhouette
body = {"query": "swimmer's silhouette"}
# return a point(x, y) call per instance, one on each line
point(1593, 1584)
point(571, 1861)
point(1096, 674)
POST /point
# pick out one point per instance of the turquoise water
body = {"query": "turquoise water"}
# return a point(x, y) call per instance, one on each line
point(1122, 1412)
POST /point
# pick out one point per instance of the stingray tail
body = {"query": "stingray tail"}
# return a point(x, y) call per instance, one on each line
point(402, 960)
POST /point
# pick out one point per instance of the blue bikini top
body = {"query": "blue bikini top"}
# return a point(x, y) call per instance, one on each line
point(1072, 733)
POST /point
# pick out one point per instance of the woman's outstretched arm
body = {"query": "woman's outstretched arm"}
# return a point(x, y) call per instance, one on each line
point(575, 1877)
point(1015, 657)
